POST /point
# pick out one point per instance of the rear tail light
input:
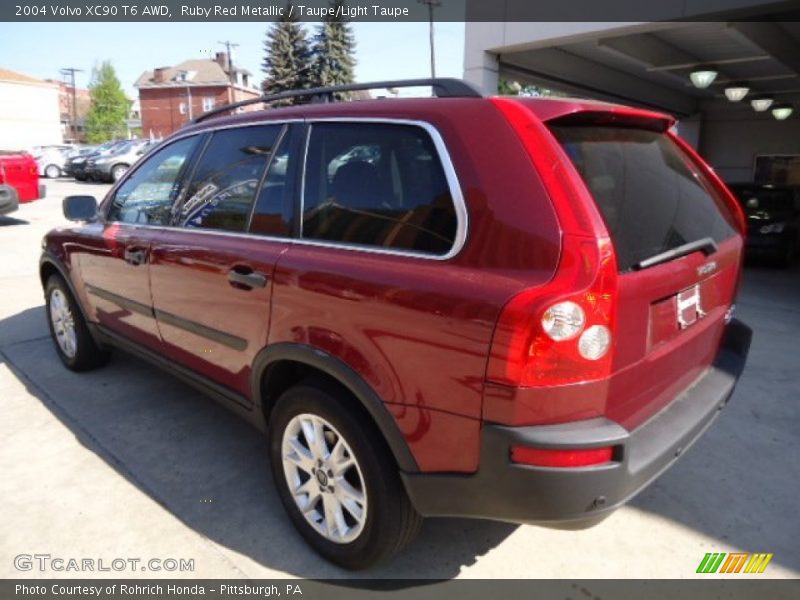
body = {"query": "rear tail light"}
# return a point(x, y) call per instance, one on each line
point(562, 333)
point(548, 457)
point(563, 321)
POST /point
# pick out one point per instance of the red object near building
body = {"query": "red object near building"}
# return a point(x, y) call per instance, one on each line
point(19, 170)
point(170, 97)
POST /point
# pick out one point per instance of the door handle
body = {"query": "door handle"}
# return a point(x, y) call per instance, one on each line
point(248, 279)
point(134, 256)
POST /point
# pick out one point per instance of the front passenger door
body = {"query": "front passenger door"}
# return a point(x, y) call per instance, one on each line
point(114, 259)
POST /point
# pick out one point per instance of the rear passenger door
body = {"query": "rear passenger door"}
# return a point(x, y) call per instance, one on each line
point(211, 272)
point(369, 280)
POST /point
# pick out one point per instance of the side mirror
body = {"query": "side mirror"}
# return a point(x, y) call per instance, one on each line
point(80, 208)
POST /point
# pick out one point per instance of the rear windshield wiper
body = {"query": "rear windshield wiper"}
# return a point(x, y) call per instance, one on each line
point(705, 245)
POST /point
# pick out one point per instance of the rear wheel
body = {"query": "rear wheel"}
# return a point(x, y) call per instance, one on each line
point(52, 172)
point(117, 172)
point(75, 346)
point(337, 479)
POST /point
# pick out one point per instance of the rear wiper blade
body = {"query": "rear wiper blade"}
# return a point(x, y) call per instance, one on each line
point(705, 245)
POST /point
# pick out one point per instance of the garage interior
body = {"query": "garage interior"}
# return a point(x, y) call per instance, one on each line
point(652, 65)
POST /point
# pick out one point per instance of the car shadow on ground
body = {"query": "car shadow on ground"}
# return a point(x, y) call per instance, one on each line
point(736, 486)
point(203, 463)
point(738, 483)
point(8, 221)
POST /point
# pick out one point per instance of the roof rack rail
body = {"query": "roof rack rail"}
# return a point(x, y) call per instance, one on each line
point(443, 87)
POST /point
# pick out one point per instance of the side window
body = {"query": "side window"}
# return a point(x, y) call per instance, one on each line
point(226, 178)
point(148, 194)
point(375, 184)
point(274, 207)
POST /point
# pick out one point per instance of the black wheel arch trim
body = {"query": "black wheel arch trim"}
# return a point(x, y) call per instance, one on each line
point(345, 375)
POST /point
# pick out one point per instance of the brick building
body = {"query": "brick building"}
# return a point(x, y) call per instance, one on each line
point(83, 102)
point(170, 97)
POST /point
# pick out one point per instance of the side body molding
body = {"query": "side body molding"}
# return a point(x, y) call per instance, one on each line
point(345, 375)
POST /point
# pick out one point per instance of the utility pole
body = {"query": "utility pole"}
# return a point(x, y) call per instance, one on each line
point(431, 4)
point(74, 120)
point(231, 75)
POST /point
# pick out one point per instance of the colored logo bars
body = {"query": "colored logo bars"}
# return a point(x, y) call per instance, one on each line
point(736, 562)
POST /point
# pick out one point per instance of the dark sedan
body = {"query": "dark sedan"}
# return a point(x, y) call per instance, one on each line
point(773, 220)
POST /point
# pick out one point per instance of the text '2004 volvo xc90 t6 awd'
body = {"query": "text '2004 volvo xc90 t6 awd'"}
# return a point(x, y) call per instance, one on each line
point(506, 308)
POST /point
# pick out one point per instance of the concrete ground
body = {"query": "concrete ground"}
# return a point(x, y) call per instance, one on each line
point(127, 462)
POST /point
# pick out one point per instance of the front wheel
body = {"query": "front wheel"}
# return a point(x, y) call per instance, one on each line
point(75, 346)
point(336, 478)
point(52, 172)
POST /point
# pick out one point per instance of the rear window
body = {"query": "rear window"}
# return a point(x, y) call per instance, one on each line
point(651, 197)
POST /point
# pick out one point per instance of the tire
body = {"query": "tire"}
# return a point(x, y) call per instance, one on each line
point(388, 520)
point(117, 172)
point(786, 255)
point(74, 344)
point(52, 172)
point(80, 177)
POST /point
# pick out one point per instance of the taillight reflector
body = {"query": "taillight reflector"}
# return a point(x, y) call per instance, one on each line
point(548, 457)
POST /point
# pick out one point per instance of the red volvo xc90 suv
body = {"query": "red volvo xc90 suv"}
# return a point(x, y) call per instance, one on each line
point(505, 308)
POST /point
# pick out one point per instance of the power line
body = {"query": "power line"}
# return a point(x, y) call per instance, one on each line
point(231, 75)
point(74, 121)
point(431, 4)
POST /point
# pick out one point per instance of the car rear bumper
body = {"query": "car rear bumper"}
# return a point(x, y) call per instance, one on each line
point(580, 497)
point(9, 201)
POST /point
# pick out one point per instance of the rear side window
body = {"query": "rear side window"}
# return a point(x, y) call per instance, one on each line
point(226, 178)
point(379, 185)
point(651, 197)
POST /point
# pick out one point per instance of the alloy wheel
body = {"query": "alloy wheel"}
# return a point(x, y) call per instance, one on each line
point(63, 323)
point(324, 478)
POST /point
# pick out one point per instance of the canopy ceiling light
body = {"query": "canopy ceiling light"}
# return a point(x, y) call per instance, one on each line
point(761, 104)
point(736, 92)
point(782, 111)
point(703, 78)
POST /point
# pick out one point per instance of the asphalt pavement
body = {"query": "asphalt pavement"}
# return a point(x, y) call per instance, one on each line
point(127, 462)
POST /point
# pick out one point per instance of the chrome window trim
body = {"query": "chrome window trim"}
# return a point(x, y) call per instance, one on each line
point(462, 215)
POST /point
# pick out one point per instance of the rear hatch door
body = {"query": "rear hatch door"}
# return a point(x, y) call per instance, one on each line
point(678, 254)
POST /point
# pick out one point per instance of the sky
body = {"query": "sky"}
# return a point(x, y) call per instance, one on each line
point(383, 50)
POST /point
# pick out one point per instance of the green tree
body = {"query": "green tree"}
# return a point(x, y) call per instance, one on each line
point(287, 57)
point(514, 88)
point(109, 109)
point(333, 51)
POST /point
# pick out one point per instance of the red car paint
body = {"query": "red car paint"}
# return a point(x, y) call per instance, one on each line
point(19, 170)
point(435, 340)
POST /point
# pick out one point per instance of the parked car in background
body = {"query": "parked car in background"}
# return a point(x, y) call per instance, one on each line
point(773, 220)
point(51, 161)
point(113, 164)
point(9, 201)
point(20, 171)
point(425, 324)
point(76, 166)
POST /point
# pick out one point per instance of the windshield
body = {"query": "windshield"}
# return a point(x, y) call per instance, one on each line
point(651, 197)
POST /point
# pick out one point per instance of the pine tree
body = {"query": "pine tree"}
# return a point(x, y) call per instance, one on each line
point(333, 53)
point(287, 58)
point(109, 109)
